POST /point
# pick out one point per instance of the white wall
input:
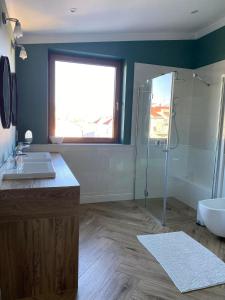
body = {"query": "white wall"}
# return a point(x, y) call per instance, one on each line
point(197, 183)
point(204, 127)
point(7, 136)
point(105, 172)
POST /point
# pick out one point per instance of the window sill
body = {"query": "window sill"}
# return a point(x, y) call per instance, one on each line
point(65, 146)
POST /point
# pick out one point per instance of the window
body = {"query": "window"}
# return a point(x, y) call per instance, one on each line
point(84, 99)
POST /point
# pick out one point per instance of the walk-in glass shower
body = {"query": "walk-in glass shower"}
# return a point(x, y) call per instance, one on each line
point(176, 115)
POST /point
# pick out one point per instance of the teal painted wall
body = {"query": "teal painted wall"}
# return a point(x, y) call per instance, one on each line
point(33, 76)
point(33, 73)
point(210, 48)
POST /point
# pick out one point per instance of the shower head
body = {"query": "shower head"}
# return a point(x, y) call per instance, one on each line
point(195, 75)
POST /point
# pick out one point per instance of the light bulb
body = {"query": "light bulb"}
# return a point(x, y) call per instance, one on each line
point(23, 53)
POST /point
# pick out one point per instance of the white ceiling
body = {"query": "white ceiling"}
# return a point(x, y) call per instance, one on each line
point(49, 17)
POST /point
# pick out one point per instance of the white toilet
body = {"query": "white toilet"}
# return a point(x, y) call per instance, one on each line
point(211, 213)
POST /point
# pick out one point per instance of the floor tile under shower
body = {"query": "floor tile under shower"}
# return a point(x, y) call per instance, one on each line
point(177, 212)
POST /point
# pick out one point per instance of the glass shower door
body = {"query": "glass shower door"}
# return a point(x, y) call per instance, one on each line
point(153, 144)
point(159, 144)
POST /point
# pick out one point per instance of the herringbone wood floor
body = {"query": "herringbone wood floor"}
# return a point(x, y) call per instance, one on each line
point(114, 266)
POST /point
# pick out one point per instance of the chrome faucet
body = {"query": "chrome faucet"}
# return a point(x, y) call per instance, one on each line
point(17, 154)
point(15, 157)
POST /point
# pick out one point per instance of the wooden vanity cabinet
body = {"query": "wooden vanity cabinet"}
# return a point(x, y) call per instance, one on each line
point(39, 234)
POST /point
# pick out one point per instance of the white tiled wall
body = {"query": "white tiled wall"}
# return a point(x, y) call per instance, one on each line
point(105, 172)
point(203, 130)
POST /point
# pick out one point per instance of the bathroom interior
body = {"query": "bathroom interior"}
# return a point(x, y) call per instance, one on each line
point(69, 201)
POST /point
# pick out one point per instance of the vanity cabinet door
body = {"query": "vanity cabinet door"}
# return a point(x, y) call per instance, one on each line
point(38, 257)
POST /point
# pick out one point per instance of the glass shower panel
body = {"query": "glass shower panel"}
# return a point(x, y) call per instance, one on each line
point(159, 145)
point(153, 126)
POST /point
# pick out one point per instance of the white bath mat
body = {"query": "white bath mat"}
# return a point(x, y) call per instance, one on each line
point(190, 265)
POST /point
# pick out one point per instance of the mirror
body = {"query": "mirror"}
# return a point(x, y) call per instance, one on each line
point(14, 98)
point(5, 92)
point(28, 137)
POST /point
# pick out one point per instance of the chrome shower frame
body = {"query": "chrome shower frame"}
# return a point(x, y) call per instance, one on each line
point(167, 150)
point(140, 92)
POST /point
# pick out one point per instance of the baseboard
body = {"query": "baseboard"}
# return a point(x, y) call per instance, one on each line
point(87, 198)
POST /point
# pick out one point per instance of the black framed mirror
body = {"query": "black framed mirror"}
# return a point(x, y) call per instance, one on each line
point(14, 99)
point(5, 92)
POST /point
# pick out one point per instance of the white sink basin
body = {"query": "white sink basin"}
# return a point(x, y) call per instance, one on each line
point(31, 170)
point(36, 156)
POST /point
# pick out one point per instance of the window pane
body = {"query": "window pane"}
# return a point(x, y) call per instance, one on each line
point(84, 100)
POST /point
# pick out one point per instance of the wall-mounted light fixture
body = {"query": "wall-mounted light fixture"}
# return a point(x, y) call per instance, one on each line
point(23, 52)
point(18, 33)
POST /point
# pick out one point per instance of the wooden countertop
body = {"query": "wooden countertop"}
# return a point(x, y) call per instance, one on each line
point(64, 178)
point(24, 199)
